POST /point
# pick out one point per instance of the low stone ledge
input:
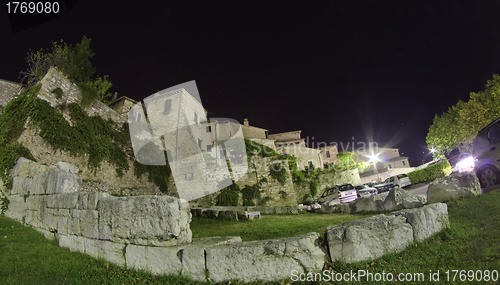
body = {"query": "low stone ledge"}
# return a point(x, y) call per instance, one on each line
point(188, 259)
point(368, 238)
point(266, 260)
point(427, 220)
point(144, 220)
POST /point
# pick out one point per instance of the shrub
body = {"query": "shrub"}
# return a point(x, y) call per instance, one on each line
point(429, 173)
point(228, 196)
point(278, 172)
point(58, 92)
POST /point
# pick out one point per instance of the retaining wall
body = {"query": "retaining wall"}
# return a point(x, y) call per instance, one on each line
point(152, 232)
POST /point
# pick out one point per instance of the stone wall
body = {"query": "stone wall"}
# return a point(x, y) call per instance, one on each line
point(8, 90)
point(325, 181)
point(253, 132)
point(258, 170)
point(152, 233)
point(49, 199)
point(240, 212)
point(288, 136)
point(71, 94)
point(106, 176)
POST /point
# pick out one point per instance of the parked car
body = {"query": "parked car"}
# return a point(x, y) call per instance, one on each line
point(383, 187)
point(465, 162)
point(486, 150)
point(401, 180)
point(364, 190)
point(328, 195)
point(347, 193)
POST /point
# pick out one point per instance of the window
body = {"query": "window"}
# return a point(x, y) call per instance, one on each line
point(209, 148)
point(168, 106)
point(138, 119)
point(310, 163)
point(494, 133)
point(209, 129)
point(327, 153)
point(199, 143)
point(195, 118)
point(404, 162)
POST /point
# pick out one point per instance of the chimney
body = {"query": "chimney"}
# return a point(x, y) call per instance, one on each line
point(245, 122)
point(115, 96)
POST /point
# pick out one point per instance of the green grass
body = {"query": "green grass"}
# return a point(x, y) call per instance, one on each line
point(269, 226)
point(471, 243)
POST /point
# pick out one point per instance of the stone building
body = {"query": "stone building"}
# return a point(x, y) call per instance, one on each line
point(178, 124)
point(122, 105)
point(257, 135)
point(8, 90)
point(389, 163)
point(329, 154)
point(291, 143)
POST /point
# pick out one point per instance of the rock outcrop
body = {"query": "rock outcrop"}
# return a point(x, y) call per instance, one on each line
point(453, 187)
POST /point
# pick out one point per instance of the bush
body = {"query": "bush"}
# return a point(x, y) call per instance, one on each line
point(228, 196)
point(429, 173)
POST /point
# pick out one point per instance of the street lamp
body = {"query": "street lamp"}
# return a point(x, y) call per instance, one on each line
point(374, 159)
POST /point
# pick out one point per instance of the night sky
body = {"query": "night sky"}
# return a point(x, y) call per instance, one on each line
point(372, 70)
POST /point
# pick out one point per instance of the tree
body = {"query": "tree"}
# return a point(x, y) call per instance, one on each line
point(72, 61)
point(458, 127)
point(345, 160)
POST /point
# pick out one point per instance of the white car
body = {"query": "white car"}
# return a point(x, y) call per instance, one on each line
point(487, 152)
point(364, 190)
point(401, 180)
point(347, 193)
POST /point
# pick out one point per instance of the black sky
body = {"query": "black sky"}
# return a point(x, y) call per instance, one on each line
point(372, 70)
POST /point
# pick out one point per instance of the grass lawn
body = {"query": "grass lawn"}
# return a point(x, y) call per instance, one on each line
point(269, 226)
point(472, 243)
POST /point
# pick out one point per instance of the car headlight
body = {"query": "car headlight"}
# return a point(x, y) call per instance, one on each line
point(466, 163)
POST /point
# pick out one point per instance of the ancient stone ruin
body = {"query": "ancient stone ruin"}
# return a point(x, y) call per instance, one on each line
point(152, 232)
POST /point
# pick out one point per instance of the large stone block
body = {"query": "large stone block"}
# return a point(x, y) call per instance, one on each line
point(17, 207)
point(144, 220)
point(67, 167)
point(157, 260)
point(368, 238)
point(427, 220)
point(110, 251)
point(89, 223)
point(88, 201)
point(62, 221)
point(453, 187)
point(266, 260)
point(192, 255)
point(74, 227)
point(63, 201)
point(73, 242)
point(35, 202)
point(60, 181)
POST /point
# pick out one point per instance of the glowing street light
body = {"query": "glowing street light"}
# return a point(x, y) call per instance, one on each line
point(433, 150)
point(373, 158)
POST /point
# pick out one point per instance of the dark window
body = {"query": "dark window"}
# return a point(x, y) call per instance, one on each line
point(209, 148)
point(199, 143)
point(494, 133)
point(403, 163)
point(327, 153)
point(195, 118)
point(209, 129)
point(168, 106)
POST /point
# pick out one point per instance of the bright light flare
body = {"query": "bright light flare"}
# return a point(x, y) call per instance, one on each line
point(465, 164)
point(373, 158)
